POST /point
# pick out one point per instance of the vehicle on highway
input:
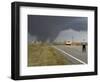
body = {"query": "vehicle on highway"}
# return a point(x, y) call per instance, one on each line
point(68, 42)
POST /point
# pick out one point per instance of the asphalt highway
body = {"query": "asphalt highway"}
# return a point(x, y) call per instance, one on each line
point(73, 53)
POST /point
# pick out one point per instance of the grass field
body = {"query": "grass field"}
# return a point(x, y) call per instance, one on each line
point(45, 55)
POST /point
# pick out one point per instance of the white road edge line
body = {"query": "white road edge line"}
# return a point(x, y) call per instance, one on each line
point(69, 55)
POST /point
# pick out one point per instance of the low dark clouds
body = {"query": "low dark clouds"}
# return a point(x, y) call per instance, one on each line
point(48, 27)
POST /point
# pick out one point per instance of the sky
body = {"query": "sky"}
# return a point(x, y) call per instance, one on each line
point(56, 28)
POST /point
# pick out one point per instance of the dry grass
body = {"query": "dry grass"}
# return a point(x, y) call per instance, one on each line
point(44, 55)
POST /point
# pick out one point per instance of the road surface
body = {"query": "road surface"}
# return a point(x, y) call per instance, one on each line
point(73, 53)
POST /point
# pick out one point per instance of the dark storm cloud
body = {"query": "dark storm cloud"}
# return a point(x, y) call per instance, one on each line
point(48, 27)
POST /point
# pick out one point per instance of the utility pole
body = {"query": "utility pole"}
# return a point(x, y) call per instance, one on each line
point(72, 39)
